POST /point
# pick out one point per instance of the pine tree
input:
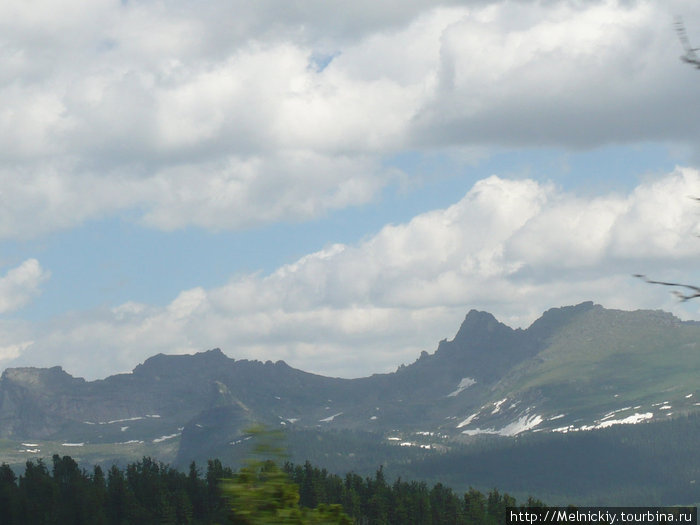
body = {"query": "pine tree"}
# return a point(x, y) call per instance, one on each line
point(121, 504)
point(474, 507)
point(197, 493)
point(9, 496)
point(39, 494)
point(96, 496)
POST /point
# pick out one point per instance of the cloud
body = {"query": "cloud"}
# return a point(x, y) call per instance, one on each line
point(20, 285)
point(561, 74)
point(13, 351)
point(512, 247)
point(233, 115)
point(238, 193)
point(230, 115)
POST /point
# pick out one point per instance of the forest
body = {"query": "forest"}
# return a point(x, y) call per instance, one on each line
point(151, 492)
point(655, 463)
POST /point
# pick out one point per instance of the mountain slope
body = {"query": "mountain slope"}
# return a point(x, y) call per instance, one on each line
point(605, 368)
point(576, 368)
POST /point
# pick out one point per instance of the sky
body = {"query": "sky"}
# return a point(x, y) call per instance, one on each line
point(335, 184)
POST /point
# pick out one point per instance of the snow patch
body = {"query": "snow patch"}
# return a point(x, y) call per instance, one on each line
point(524, 423)
point(689, 396)
point(629, 420)
point(72, 444)
point(497, 405)
point(330, 418)
point(121, 420)
point(411, 444)
point(240, 440)
point(467, 421)
point(477, 431)
point(136, 418)
point(465, 383)
point(32, 445)
point(602, 424)
point(123, 429)
point(563, 430)
point(164, 438)
point(665, 407)
point(373, 417)
point(521, 425)
point(611, 414)
point(557, 417)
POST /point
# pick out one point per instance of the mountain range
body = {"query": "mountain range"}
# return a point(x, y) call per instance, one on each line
point(576, 370)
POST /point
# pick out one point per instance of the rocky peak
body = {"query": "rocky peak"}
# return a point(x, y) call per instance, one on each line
point(37, 377)
point(479, 325)
point(162, 363)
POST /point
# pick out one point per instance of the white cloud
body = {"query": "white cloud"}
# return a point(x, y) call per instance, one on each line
point(564, 74)
point(13, 351)
point(236, 193)
point(234, 114)
point(20, 285)
point(512, 247)
point(219, 116)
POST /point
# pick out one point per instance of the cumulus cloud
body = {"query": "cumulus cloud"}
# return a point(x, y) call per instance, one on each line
point(560, 74)
point(13, 351)
point(512, 247)
point(20, 285)
point(237, 193)
point(234, 114)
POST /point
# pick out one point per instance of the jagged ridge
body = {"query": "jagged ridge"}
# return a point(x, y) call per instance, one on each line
point(568, 371)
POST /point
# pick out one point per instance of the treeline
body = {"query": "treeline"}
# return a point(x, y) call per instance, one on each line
point(372, 500)
point(654, 463)
point(151, 492)
point(144, 492)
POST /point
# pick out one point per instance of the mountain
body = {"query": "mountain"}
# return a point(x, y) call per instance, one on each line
point(577, 369)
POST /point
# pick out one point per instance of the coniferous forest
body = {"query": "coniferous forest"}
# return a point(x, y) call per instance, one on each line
point(150, 492)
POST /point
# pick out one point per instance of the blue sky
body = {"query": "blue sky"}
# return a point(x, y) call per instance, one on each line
point(105, 262)
point(335, 189)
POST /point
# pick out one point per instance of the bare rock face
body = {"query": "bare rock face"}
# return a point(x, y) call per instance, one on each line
point(38, 402)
